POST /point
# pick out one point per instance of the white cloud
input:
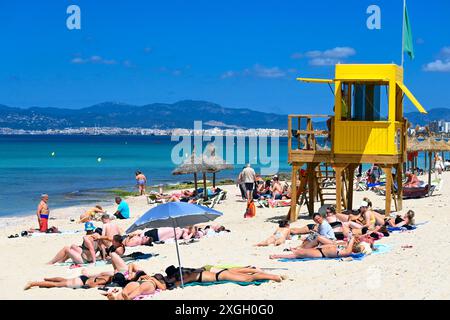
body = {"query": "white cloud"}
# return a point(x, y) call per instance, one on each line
point(442, 64)
point(438, 66)
point(327, 57)
point(320, 62)
point(260, 71)
point(93, 59)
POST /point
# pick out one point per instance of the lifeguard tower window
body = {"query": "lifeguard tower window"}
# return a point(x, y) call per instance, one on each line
point(369, 101)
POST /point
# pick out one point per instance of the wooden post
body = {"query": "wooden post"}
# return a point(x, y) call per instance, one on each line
point(294, 197)
point(338, 169)
point(205, 191)
point(425, 165)
point(195, 182)
point(399, 176)
point(214, 180)
point(429, 168)
point(310, 173)
point(388, 172)
point(351, 175)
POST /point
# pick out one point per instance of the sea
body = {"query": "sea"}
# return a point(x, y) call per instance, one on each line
point(80, 169)
point(83, 169)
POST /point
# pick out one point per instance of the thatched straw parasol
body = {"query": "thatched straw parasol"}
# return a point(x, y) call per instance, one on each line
point(208, 162)
point(412, 144)
point(430, 145)
point(213, 162)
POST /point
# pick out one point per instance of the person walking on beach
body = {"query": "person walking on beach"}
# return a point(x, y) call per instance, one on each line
point(438, 166)
point(43, 213)
point(123, 210)
point(141, 181)
point(240, 183)
point(249, 177)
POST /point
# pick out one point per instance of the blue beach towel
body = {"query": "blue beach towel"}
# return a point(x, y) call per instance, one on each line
point(205, 284)
point(379, 249)
point(400, 229)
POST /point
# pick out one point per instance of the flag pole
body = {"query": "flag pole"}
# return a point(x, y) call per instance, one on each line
point(403, 32)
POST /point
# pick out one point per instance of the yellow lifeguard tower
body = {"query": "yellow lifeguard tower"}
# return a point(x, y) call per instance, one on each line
point(367, 127)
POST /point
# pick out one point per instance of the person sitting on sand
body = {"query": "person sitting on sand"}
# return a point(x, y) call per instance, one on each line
point(141, 181)
point(340, 228)
point(323, 251)
point(214, 275)
point(280, 235)
point(323, 236)
point(123, 210)
point(86, 253)
point(412, 180)
point(116, 246)
point(276, 189)
point(109, 230)
point(406, 221)
point(91, 214)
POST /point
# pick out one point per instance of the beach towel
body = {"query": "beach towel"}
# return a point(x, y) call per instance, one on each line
point(241, 283)
point(39, 234)
point(379, 249)
point(409, 228)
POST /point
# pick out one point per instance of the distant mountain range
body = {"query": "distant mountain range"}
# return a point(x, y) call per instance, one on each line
point(181, 114)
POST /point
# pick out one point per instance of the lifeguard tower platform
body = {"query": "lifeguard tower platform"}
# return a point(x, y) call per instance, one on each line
point(367, 127)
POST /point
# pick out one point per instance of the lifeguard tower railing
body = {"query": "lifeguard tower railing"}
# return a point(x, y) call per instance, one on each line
point(307, 144)
point(318, 138)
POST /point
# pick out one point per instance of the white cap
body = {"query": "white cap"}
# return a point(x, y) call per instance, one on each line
point(364, 204)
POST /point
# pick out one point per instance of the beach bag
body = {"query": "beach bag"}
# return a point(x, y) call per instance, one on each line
point(250, 212)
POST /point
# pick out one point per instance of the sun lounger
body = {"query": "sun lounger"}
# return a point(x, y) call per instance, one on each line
point(419, 192)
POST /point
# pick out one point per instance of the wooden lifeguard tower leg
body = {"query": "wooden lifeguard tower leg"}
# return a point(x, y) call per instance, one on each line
point(350, 177)
point(399, 178)
point(294, 197)
point(388, 173)
point(311, 174)
point(339, 168)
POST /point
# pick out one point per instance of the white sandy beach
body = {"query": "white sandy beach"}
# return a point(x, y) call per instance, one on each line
point(414, 273)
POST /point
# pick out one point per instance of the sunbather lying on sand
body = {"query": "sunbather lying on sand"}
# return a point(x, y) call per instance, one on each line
point(211, 274)
point(279, 237)
point(75, 283)
point(201, 231)
point(405, 221)
point(323, 251)
point(141, 238)
point(142, 284)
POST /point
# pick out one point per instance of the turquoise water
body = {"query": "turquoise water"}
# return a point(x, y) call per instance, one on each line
point(74, 175)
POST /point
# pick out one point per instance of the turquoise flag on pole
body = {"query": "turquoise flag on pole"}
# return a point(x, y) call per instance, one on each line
point(408, 38)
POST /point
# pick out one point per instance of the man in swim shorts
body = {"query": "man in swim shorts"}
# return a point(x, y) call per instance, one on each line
point(43, 213)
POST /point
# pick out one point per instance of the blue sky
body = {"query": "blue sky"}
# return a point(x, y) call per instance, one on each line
point(235, 53)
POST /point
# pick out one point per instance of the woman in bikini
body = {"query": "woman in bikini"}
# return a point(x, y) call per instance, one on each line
point(86, 253)
point(279, 237)
point(341, 229)
point(324, 251)
point(406, 221)
point(215, 274)
point(82, 281)
point(142, 284)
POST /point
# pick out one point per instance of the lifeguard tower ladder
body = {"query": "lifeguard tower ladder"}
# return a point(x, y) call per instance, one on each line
point(367, 127)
